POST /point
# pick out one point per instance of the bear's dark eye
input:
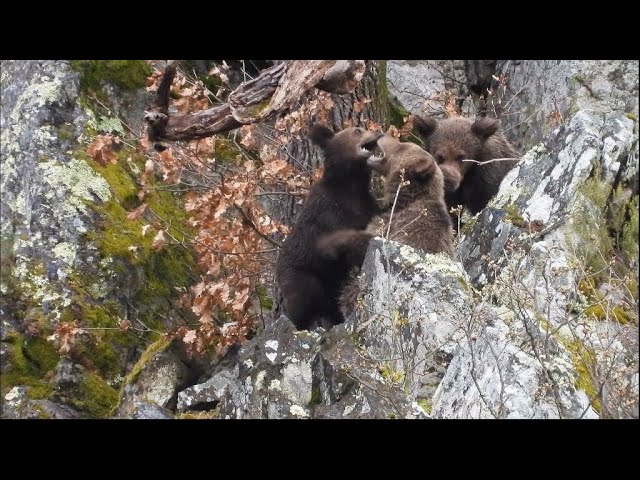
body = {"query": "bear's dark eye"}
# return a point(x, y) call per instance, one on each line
point(439, 158)
point(459, 158)
point(359, 131)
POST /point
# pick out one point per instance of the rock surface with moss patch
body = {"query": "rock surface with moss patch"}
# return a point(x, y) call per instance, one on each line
point(282, 373)
point(569, 268)
point(65, 239)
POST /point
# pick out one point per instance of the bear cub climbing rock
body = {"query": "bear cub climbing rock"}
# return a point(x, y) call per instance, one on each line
point(420, 217)
point(310, 282)
point(456, 139)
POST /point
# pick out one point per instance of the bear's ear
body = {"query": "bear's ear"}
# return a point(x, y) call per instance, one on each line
point(424, 126)
point(320, 135)
point(485, 127)
point(423, 171)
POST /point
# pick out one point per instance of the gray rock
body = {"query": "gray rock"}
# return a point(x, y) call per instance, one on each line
point(418, 83)
point(68, 375)
point(543, 188)
point(57, 258)
point(206, 395)
point(283, 373)
point(409, 320)
point(143, 410)
point(536, 273)
point(541, 87)
point(158, 378)
point(17, 405)
point(502, 370)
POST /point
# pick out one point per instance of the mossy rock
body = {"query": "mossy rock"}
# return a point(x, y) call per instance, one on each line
point(149, 354)
point(95, 397)
point(31, 360)
point(124, 74)
point(582, 359)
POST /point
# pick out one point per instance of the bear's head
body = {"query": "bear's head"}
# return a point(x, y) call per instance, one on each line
point(453, 140)
point(347, 150)
point(405, 161)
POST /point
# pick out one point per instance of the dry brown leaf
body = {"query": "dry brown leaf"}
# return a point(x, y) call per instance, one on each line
point(159, 241)
point(360, 104)
point(189, 337)
point(206, 317)
point(149, 166)
point(101, 150)
point(275, 167)
point(137, 213)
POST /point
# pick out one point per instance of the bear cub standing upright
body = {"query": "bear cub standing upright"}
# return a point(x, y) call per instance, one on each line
point(341, 199)
point(420, 219)
point(456, 139)
point(415, 184)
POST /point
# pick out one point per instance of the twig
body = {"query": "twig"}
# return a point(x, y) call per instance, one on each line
point(491, 161)
point(395, 200)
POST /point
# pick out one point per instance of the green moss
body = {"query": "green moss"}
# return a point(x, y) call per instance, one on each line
point(591, 226)
point(596, 311)
point(41, 353)
point(397, 113)
point(148, 355)
point(587, 286)
point(95, 397)
point(316, 396)
point(65, 132)
point(573, 107)
point(382, 97)
point(266, 301)
point(513, 216)
point(257, 109)
point(425, 404)
point(600, 313)
point(582, 358)
point(103, 347)
point(125, 74)
point(390, 374)
point(631, 116)
point(579, 79)
point(399, 318)
point(31, 359)
point(467, 227)
point(212, 82)
point(630, 228)
point(121, 182)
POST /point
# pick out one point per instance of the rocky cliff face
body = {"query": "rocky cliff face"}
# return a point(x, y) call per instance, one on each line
point(534, 317)
point(66, 242)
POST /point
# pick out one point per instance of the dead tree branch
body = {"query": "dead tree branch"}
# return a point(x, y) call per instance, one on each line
point(274, 91)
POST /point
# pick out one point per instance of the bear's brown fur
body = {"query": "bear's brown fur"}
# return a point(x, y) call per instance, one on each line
point(456, 139)
point(419, 219)
point(309, 281)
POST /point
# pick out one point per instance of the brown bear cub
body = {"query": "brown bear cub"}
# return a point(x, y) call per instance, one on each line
point(420, 217)
point(456, 139)
point(311, 282)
